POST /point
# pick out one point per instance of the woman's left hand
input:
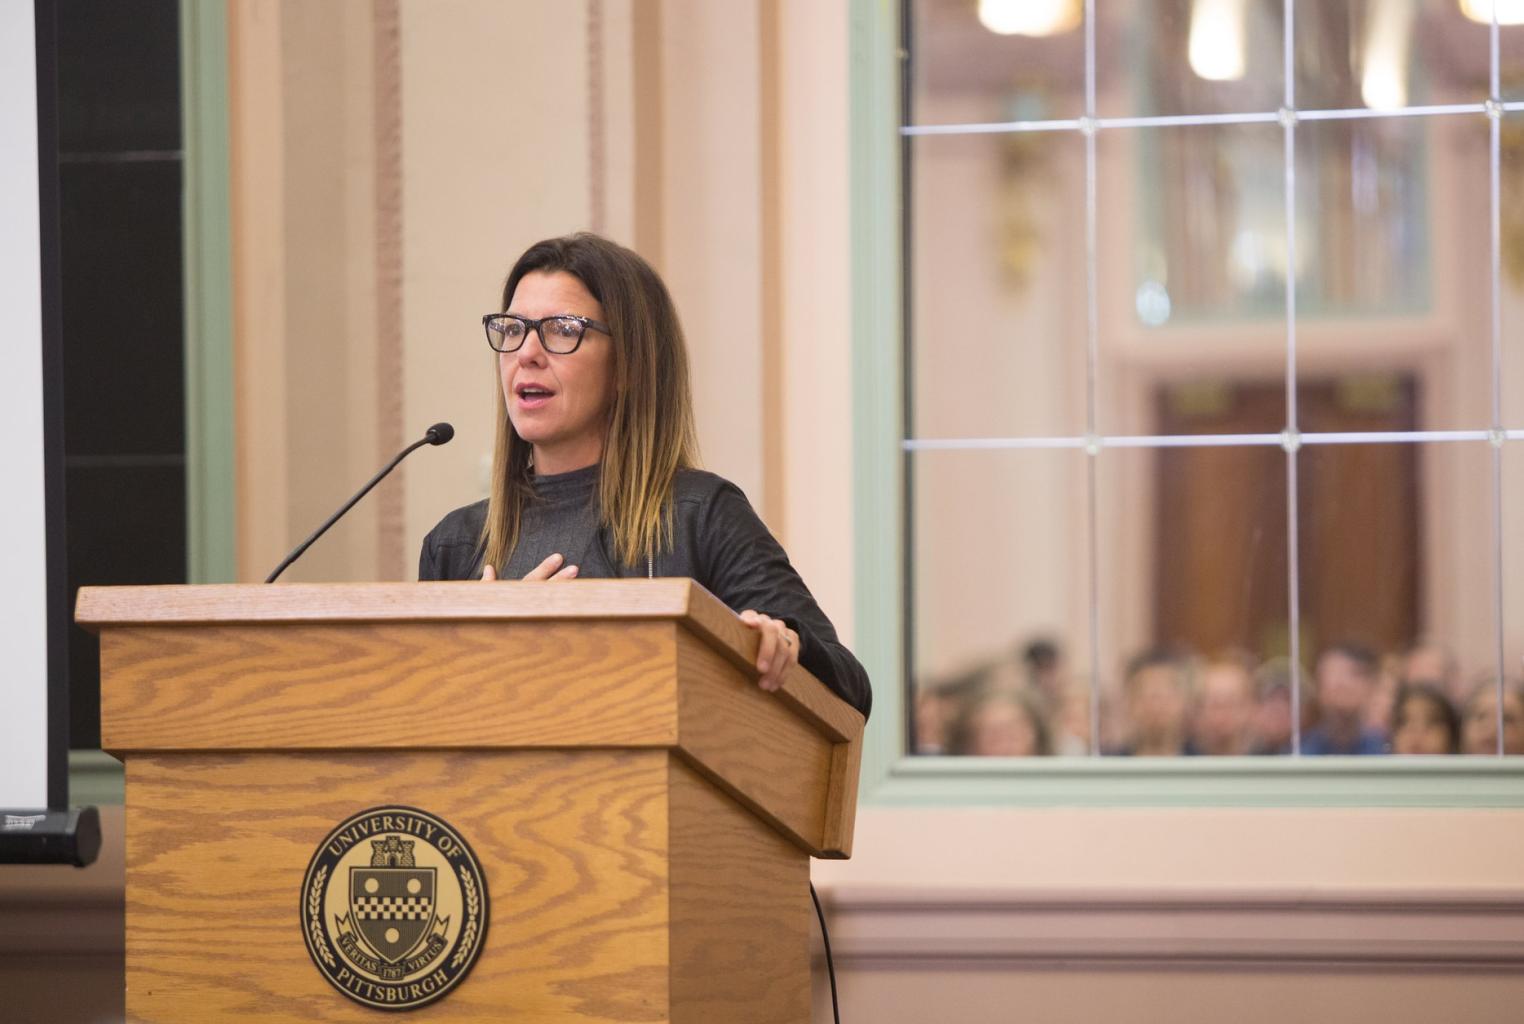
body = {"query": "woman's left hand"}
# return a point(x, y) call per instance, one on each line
point(779, 648)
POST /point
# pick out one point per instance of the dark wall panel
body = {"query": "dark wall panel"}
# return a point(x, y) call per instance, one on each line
point(118, 75)
point(122, 309)
point(123, 312)
point(126, 524)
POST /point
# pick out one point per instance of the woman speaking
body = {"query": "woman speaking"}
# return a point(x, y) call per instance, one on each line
point(594, 471)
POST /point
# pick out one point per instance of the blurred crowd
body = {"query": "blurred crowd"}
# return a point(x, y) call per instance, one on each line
point(1173, 703)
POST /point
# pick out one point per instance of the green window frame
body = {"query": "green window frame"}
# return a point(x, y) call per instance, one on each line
point(210, 480)
point(892, 777)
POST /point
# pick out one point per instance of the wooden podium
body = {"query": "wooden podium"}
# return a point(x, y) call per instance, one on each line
point(642, 812)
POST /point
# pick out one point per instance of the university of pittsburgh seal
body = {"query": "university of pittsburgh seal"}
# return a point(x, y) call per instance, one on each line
point(394, 908)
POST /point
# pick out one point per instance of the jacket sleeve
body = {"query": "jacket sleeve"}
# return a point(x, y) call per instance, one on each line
point(428, 560)
point(742, 564)
point(451, 551)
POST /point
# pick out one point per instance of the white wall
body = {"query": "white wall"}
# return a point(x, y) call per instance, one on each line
point(23, 567)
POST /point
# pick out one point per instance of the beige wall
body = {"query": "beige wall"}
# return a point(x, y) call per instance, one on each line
point(985, 915)
point(980, 993)
point(492, 162)
point(493, 157)
point(814, 511)
point(307, 310)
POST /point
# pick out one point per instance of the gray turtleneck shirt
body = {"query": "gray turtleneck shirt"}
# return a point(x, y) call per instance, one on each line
point(717, 540)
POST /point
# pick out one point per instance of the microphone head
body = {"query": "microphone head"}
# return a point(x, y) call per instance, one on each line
point(439, 433)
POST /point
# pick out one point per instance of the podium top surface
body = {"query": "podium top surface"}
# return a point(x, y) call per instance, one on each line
point(678, 599)
point(396, 602)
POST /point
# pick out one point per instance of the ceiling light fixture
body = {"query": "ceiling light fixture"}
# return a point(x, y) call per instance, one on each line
point(1510, 12)
point(1216, 48)
point(1388, 42)
point(1030, 17)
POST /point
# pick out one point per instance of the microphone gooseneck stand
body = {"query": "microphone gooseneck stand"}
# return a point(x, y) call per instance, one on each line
point(439, 433)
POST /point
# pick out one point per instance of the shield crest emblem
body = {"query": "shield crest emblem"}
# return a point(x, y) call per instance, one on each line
point(393, 908)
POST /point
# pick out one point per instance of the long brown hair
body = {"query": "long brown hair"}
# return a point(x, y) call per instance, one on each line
point(650, 433)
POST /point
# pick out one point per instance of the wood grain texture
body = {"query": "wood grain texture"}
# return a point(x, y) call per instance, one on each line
point(370, 602)
point(623, 886)
point(751, 744)
point(101, 608)
point(709, 619)
point(387, 685)
point(255, 720)
point(574, 846)
point(740, 912)
point(841, 801)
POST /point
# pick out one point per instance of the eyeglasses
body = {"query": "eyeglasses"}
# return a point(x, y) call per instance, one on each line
point(506, 332)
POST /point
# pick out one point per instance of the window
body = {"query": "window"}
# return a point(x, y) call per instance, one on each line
point(1213, 368)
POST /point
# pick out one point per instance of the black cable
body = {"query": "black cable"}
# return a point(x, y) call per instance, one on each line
point(825, 937)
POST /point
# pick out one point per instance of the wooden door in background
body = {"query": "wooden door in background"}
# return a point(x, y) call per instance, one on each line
point(1220, 573)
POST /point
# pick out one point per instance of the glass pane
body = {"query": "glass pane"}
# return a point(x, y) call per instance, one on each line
point(1394, 270)
point(1397, 598)
point(1193, 600)
point(1388, 54)
point(1396, 562)
point(997, 283)
point(1193, 280)
point(1480, 730)
point(1510, 46)
point(963, 71)
point(1511, 282)
point(1362, 208)
point(999, 603)
point(1210, 207)
point(1171, 57)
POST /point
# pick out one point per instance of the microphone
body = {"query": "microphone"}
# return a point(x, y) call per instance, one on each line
point(439, 433)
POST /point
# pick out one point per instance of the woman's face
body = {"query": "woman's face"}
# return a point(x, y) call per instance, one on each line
point(1001, 728)
point(558, 403)
point(1480, 729)
point(1420, 728)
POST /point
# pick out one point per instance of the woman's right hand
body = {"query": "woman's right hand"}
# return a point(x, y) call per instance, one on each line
point(550, 569)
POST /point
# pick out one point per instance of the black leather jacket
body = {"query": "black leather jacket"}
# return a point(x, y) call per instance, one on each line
point(717, 540)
